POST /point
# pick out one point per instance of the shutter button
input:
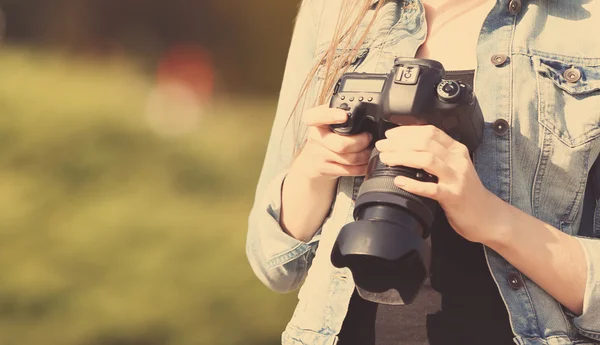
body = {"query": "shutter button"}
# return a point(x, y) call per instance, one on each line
point(572, 75)
point(499, 59)
point(514, 6)
point(515, 281)
point(500, 127)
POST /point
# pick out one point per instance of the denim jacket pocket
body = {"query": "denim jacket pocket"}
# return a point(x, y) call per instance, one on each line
point(569, 98)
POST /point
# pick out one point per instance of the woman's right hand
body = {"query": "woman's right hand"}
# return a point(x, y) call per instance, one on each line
point(328, 155)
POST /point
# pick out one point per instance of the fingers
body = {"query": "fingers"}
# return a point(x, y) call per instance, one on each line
point(318, 119)
point(432, 146)
point(353, 158)
point(423, 152)
point(427, 161)
point(324, 116)
point(323, 162)
point(340, 143)
point(419, 137)
point(322, 154)
point(330, 154)
point(428, 190)
point(421, 147)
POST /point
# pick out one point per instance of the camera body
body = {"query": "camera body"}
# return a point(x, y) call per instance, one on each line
point(412, 93)
point(385, 246)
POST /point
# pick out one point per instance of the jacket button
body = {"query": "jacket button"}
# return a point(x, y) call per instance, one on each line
point(500, 127)
point(572, 75)
point(514, 6)
point(515, 281)
point(499, 59)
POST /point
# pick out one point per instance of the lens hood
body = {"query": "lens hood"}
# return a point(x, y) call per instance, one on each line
point(388, 264)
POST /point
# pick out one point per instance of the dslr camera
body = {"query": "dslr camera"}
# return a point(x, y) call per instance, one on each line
point(384, 247)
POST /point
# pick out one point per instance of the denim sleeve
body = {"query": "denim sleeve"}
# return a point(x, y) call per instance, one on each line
point(588, 323)
point(279, 260)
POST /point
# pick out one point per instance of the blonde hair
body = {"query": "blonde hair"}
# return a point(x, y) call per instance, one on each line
point(349, 39)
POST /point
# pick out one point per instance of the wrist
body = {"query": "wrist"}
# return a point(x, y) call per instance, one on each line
point(305, 203)
point(302, 170)
point(313, 182)
point(500, 229)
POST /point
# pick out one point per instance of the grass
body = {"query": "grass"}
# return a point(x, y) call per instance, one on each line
point(112, 234)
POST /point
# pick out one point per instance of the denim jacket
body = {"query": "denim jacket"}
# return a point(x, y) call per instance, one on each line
point(538, 69)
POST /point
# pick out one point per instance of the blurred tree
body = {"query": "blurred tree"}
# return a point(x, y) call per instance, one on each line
point(111, 234)
point(248, 39)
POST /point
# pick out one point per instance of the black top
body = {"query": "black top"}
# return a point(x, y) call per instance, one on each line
point(460, 305)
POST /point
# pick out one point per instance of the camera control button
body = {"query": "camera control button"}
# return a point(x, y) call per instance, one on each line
point(514, 6)
point(472, 98)
point(351, 99)
point(499, 59)
point(342, 97)
point(344, 106)
point(370, 99)
point(450, 88)
point(500, 127)
point(360, 99)
point(448, 91)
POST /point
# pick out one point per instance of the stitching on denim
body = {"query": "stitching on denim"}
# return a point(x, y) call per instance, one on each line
point(303, 264)
point(495, 278)
point(510, 109)
point(578, 200)
point(567, 324)
point(542, 163)
point(590, 334)
point(398, 37)
point(537, 322)
point(585, 62)
point(292, 331)
point(596, 223)
point(382, 44)
point(558, 337)
point(286, 257)
point(543, 113)
point(350, 212)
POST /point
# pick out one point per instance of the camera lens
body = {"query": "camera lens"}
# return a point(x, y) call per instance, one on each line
point(387, 236)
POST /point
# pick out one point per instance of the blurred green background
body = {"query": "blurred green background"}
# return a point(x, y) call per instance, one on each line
point(131, 139)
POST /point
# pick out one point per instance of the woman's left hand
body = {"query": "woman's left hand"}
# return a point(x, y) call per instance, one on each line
point(471, 209)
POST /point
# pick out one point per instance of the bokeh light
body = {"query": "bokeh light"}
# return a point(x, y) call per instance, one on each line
point(184, 87)
point(173, 108)
point(190, 65)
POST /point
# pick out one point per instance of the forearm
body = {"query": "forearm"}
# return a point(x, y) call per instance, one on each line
point(552, 259)
point(305, 204)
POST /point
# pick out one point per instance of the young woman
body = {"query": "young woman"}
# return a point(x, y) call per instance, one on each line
point(516, 257)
